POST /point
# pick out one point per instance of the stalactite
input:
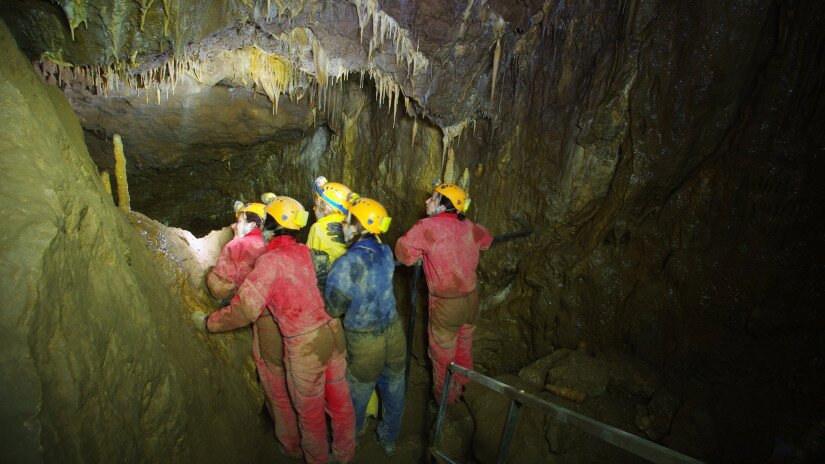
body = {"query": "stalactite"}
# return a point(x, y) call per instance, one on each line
point(120, 175)
point(114, 22)
point(395, 105)
point(496, 57)
point(450, 133)
point(321, 63)
point(167, 13)
point(75, 13)
point(465, 180)
point(144, 8)
point(272, 74)
point(449, 168)
point(385, 28)
point(545, 26)
point(414, 130)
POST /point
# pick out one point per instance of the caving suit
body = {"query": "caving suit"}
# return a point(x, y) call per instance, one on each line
point(327, 235)
point(314, 347)
point(326, 240)
point(236, 261)
point(450, 250)
point(359, 287)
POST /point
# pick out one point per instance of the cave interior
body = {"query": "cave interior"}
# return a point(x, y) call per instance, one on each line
point(663, 156)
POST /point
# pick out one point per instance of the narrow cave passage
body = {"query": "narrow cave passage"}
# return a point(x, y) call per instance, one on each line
point(664, 158)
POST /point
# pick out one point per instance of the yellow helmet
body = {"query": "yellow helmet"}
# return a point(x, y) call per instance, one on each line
point(288, 212)
point(333, 193)
point(371, 215)
point(256, 208)
point(456, 195)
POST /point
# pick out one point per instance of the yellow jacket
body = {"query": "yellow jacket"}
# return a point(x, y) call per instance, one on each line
point(327, 235)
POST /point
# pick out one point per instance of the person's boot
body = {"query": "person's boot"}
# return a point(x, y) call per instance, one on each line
point(331, 460)
point(433, 407)
point(388, 448)
point(286, 453)
point(363, 430)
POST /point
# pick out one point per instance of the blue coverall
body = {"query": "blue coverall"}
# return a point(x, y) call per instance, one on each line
point(359, 287)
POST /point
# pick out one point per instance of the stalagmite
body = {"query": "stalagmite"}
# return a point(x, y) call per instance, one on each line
point(107, 184)
point(120, 175)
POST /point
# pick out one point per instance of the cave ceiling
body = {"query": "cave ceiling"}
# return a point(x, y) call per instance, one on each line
point(143, 50)
point(187, 83)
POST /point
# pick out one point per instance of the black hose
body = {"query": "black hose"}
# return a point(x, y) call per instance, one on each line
point(411, 328)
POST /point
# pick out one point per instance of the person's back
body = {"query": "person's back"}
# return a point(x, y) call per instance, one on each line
point(235, 263)
point(238, 256)
point(450, 250)
point(372, 301)
point(284, 283)
point(359, 288)
point(292, 296)
point(326, 238)
point(449, 246)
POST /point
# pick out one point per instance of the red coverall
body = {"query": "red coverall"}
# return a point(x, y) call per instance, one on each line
point(450, 249)
point(237, 259)
point(314, 347)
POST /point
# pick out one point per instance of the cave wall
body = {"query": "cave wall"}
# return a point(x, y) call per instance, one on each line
point(607, 118)
point(666, 156)
point(99, 359)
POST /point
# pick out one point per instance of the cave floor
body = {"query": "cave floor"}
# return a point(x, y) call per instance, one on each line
point(416, 427)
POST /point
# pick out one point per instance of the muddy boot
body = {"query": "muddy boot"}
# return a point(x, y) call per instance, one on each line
point(388, 448)
point(433, 407)
point(286, 453)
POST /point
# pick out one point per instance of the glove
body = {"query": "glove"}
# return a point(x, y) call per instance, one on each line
point(199, 319)
point(336, 232)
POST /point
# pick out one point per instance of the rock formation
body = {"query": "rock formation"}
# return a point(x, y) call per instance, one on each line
point(665, 155)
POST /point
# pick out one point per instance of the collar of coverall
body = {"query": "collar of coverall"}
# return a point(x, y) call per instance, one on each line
point(334, 216)
point(279, 241)
point(446, 214)
point(366, 243)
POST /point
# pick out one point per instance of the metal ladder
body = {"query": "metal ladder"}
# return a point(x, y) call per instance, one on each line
point(518, 398)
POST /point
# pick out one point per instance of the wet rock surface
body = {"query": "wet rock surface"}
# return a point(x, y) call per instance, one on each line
point(99, 361)
point(665, 154)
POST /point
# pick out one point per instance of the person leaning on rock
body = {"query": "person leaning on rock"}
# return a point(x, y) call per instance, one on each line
point(283, 282)
point(359, 288)
point(236, 261)
point(449, 245)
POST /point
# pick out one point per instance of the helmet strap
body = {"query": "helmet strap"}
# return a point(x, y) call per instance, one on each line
point(438, 206)
point(324, 208)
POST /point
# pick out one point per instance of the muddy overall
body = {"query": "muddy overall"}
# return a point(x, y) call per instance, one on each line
point(236, 261)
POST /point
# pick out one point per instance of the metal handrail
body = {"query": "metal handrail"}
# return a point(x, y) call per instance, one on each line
point(627, 441)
